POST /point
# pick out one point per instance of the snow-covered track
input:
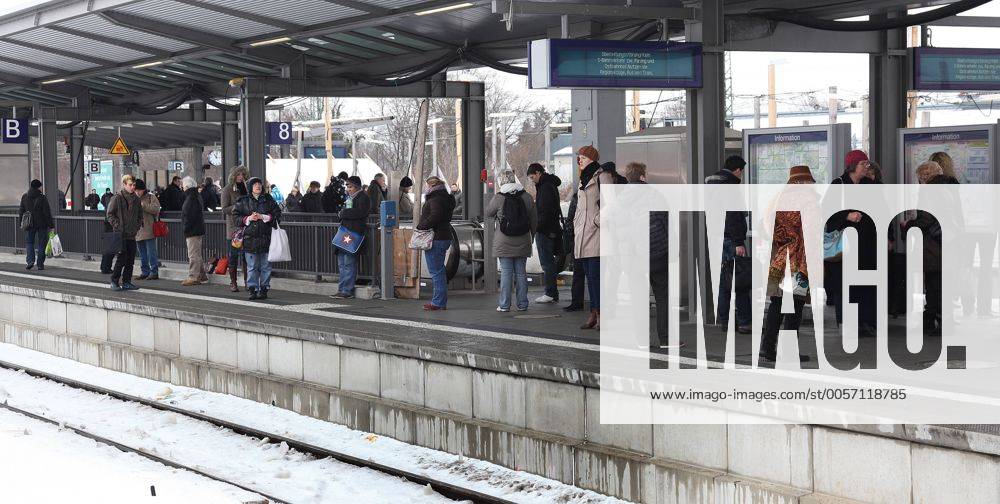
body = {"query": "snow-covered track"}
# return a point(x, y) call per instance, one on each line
point(445, 489)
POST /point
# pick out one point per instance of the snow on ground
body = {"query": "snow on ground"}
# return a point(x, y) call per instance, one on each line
point(267, 467)
point(485, 477)
point(41, 463)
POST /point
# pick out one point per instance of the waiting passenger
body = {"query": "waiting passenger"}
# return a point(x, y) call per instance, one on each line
point(106, 197)
point(233, 192)
point(92, 201)
point(734, 253)
point(293, 202)
point(405, 203)
point(436, 214)
point(258, 214)
point(517, 222)
point(210, 194)
point(335, 195)
point(549, 237)
point(354, 217)
point(587, 231)
point(193, 220)
point(377, 192)
point(145, 241)
point(946, 163)
point(125, 217)
point(312, 201)
point(173, 196)
point(35, 217)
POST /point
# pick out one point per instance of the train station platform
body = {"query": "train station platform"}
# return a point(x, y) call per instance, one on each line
point(519, 389)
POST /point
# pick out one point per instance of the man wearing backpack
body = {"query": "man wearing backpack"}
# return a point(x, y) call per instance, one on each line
point(517, 222)
point(35, 217)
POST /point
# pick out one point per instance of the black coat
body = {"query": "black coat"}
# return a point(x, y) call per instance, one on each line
point(312, 202)
point(355, 218)
point(334, 196)
point(867, 233)
point(547, 204)
point(257, 234)
point(172, 199)
point(436, 214)
point(375, 196)
point(92, 201)
point(193, 214)
point(210, 195)
point(41, 214)
point(293, 203)
point(106, 198)
point(736, 222)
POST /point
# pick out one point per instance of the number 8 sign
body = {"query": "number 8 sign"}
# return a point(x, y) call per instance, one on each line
point(279, 133)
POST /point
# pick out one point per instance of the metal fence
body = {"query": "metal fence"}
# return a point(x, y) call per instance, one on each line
point(310, 237)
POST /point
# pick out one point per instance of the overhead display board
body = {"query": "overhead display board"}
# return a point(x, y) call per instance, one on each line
point(770, 152)
point(615, 64)
point(972, 148)
point(954, 69)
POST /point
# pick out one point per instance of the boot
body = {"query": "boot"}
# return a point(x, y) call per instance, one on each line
point(597, 319)
point(232, 279)
point(262, 293)
point(591, 320)
point(253, 293)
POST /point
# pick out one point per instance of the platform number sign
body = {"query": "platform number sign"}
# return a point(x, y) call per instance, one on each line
point(14, 131)
point(175, 165)
point(94, 167)
point(279, 133)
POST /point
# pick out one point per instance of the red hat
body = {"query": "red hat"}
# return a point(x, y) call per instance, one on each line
point(854, 157)
point(590, 152)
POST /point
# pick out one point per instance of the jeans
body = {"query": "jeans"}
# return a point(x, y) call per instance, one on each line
point(513, 269)
point(439, 278)
point(592, 268)
point(148, 260)
point(259, 275)
point(725, 288)
point(34, 246)
point(124, 262)
point(546, 257)
point(347, 266)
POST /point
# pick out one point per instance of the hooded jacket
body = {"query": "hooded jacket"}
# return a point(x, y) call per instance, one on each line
point(436, 213)
point(193, 214)
point(736, 222)
point(512, 246)
point(257, 234)
point(125, 214)
point(41, 215)
point(230, 195)
point(547, 204)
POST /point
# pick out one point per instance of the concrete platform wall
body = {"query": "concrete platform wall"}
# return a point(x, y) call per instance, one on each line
point(541, 426)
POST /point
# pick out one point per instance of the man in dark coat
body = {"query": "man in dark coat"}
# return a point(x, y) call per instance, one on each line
point(173, 196)
point(354, 217)
point(210, 194)
point(106, 197)
point(92, 200)
point(334, 195)
point(193, 219)
point(377, 192)
point(36, 238)
point(125, 217)
point(549, 237)
point(734, 253)
point(312, 200)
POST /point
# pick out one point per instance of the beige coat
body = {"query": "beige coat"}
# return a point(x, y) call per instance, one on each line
point(150, 210)
point(587, 221)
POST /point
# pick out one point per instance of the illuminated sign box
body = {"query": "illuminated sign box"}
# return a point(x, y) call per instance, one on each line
point(955, 69)
point(616, 64)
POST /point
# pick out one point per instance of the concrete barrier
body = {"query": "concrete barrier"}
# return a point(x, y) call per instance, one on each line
point(544, 421)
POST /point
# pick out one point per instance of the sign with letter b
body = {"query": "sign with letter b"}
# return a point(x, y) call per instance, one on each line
point(14, 131)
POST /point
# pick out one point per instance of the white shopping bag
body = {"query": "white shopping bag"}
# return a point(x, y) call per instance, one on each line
point(280, 251)
point(57, 248)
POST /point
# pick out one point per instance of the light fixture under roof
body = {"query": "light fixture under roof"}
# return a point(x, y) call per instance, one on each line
point(147, 65)
point(446, 8)
point(53, 81)
point(389, 35)
point(270, 41)
point(318, 41)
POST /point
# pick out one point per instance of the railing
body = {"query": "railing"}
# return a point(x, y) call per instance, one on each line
point(310, 237)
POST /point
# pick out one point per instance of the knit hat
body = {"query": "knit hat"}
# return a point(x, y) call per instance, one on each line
point(405, 182)
point(590, 152)
point(854, 157)
point(356, 180)
point(800, 173)
point(140, 185)
point(36, 184)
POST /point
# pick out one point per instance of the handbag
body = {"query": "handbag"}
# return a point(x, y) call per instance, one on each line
point(237, 242)
point(54, 248)
point(801, 287)
point(112, 242)
point(348, 240)
point(280, 250)
point(833, 246)
point(422, 239)
point(160, 229)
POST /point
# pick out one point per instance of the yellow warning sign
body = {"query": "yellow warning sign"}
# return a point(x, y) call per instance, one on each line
point(120, 148)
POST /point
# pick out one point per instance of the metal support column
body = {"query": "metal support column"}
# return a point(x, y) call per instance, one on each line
point(230, 144)
point(252, 128)
point(887, 101)
point(473, 151)
point(50, 164)
point(78, 190)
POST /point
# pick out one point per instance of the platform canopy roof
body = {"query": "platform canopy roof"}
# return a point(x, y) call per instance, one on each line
point(117, 49)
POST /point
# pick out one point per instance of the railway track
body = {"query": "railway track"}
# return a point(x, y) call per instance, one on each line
point(446, 489)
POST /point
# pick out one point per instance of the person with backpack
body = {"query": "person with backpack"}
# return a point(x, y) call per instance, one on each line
point(35, 217)
point(436, 214)
point(550, 231)
point(517, 222)
point(587, 225)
